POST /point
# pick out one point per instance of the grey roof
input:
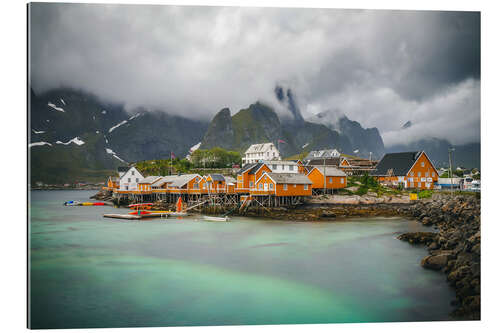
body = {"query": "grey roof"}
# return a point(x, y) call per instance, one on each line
point(289, 178)
point(255, 168)
point(399, 163)
point(326, 161)
point(217, 177)
point(321, 154)
point(150, 180)
point(123, 169)
point(182, 180)
point(280, 162)
point(246, 167)
point(330, 171)
point(163, 180)
point(259, 147)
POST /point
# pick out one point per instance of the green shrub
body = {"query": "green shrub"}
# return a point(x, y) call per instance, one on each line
point(362, 190)
point(425, 194)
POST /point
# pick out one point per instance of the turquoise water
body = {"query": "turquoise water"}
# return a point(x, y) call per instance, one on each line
point(87, 271)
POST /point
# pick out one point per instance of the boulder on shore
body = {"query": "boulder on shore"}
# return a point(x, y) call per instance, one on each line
point(435, 262)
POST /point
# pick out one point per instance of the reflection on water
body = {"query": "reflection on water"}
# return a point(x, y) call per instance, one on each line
point(87, 271)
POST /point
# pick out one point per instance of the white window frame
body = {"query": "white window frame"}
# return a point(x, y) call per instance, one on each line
point(306, 186)
point(285, 187)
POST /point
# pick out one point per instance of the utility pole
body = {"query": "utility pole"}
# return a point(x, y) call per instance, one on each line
point(324, 174)
point(451, 170)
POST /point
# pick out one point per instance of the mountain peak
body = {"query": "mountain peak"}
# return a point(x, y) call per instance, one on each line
point(288, 100)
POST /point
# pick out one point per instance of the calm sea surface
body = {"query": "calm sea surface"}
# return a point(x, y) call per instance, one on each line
point(87, 271)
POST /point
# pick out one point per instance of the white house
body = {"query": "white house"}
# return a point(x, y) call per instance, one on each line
point(130, 179)
point(279, 166)
point(261, 151)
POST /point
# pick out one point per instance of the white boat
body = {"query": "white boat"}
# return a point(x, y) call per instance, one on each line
point(177, 214)
point(216, 219)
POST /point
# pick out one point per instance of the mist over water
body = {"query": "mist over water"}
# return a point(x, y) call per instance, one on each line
point(87, 271)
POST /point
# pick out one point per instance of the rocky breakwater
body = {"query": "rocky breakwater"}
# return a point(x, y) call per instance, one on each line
point(334, 207)
point(103, 195)
point(455, 249)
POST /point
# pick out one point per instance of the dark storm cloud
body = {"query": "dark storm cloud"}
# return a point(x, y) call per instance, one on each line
point(381, 68)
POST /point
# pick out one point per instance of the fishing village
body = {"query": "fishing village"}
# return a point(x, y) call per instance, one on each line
point(265, 181)
point(327, 186)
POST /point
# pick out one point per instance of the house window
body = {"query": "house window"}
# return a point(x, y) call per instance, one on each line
point(126, 188)
point(196, 186)
point(342, 180)
point(412, 174)
point(427, 174)
point(306, 186)
point(419, 174)
point(260, 186)
point(285, 187)
point(330, 179)
point(294, 185)
point(250, 184)
point(290, 167)
point(422, 164)
point(267, 154)
point(411, 184)
point(132, 172)
point(275, 167)
point(433, 174)
point(282, 167)
point(137, 180)
point(271, 185)
point(129, 180)
point(419, 185)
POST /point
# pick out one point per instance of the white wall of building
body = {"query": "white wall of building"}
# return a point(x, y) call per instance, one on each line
point(129, 181)
point(261, 151)
point(282, 166)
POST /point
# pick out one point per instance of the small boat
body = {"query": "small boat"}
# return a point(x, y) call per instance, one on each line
point(216, 218)
point(87, 204)
point(140, 212)
point(140, 206)
point(178, 214)
point(98, 204)
point(72, 203)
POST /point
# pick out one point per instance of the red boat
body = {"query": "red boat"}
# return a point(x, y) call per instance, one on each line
point(140, 212)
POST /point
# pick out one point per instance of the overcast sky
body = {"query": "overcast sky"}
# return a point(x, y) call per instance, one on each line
point(381, 68)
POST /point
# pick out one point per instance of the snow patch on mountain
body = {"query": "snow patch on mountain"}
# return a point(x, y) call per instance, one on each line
point(41, 143)
point(192, 150)
point(76, 141)
point(195, 147)
point(134, 116)
point(62, 101)
point(117, 125)
point(111, 152)
point(103, 111)
point(37, 132)
point(52, 105)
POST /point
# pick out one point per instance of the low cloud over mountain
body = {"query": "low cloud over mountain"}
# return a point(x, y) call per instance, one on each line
point(380, 67)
